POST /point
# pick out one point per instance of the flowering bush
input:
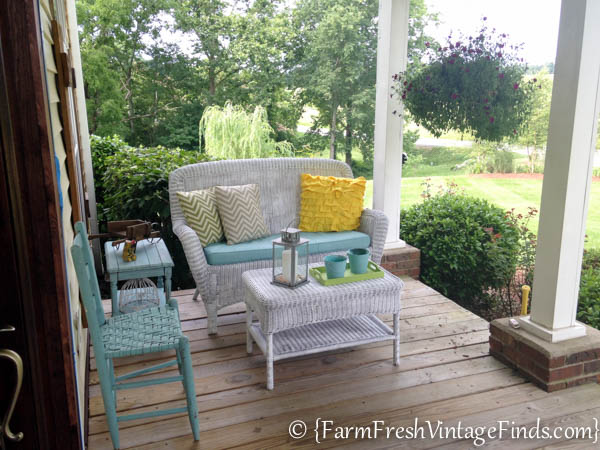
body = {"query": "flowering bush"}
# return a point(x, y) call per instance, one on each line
point(472, 84)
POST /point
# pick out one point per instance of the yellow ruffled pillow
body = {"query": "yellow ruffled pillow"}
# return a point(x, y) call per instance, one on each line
point(331, 203)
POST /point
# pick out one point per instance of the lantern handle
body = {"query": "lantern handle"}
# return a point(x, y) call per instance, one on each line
point(291, 222)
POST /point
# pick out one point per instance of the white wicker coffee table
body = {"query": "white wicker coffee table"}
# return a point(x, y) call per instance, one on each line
point(314, 318)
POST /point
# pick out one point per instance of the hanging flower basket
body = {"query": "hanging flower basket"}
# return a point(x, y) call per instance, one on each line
point(473, 84)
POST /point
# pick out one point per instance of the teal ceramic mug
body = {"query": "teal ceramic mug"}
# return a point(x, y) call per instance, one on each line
point(335, 265)
point(359, 259)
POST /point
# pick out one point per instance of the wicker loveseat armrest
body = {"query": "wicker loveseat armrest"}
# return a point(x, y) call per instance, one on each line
point(374, 223)
point(194, 253)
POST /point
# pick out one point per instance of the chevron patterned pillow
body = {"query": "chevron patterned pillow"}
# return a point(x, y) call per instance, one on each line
point(241, 216)
point(201, 214)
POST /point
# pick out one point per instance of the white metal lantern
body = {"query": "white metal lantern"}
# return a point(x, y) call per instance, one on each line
point(290, 259)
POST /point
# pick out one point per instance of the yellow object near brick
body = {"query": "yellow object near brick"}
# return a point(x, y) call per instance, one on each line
point(331, 203)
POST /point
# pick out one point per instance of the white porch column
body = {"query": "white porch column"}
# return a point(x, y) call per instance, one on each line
point(567, 174)
point(392, 41)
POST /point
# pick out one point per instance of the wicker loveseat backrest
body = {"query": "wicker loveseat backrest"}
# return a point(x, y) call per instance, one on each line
point(278, 179)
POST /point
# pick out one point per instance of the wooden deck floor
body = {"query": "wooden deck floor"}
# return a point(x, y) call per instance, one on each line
point(445, 374)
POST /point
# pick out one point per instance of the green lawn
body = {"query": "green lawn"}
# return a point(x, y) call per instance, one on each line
point(436, 161)
point(506, 193)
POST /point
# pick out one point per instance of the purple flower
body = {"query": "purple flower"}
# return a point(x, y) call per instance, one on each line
point(485, 18)
point(428, 78)
point(516, 86)
point(450, 61)
point(499, 54)
point(535, 80)
point(467, 69)
point(491, 119)
point(501, 76)
point(426, 44)
point(454, 96)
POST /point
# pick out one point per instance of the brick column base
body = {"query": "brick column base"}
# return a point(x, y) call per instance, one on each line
point(403, 261)
point(552, 366)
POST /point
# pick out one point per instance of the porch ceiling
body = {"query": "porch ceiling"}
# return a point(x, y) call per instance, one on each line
point(445, 373)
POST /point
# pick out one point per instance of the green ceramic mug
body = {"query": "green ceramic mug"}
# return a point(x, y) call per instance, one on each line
point(335, 265)
point(359, 259)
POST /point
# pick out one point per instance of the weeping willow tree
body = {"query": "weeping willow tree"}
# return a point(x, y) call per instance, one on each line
point(231, 132)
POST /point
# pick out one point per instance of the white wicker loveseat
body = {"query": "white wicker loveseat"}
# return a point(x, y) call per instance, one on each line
point(220, 284)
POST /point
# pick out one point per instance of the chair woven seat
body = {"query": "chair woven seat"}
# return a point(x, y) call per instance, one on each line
point(146, 331)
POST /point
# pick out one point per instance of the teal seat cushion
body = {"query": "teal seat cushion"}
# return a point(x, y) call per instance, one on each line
point(220, 253)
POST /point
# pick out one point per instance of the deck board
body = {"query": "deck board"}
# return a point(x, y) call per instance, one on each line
point(445, 373)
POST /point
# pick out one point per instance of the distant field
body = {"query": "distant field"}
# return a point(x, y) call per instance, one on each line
point(505, 192)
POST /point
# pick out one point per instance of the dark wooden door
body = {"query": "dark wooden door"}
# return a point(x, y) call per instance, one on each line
point(12, 326)
point(33, 288)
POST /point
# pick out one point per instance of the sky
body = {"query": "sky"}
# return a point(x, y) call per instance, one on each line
point(532, 22)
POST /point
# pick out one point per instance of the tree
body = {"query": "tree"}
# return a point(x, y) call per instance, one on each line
point(232, 133)
point(336, 50)
point(534, 130)
point(240, 51)
point(115, 36)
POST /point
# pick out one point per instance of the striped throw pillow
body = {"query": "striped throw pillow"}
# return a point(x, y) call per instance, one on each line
point(201, 214)
point(241, 216)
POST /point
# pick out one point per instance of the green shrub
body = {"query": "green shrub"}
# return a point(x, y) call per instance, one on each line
point(588, 310)
point(409, 141)
point(101, 149)
point(467, 246)
point(136, 186)
point(489, 157)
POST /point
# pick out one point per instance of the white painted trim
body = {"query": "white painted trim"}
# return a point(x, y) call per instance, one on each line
point(552, 335)
point(393, 245)
point(392, 42)
point(84, 133)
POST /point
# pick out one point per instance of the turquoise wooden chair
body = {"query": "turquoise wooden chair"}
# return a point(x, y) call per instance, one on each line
point(150, 330)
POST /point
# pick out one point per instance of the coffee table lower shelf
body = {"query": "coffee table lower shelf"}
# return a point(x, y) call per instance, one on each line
point(320, 337)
